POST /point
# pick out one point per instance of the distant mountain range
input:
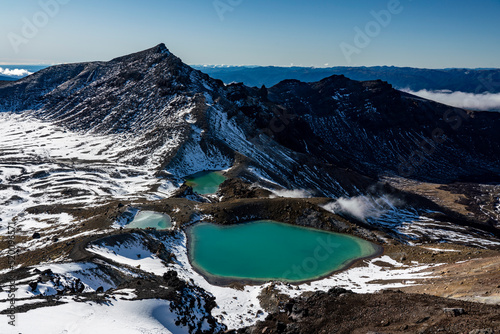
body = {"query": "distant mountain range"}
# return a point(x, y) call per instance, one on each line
point(415, 79)
point(477, 81)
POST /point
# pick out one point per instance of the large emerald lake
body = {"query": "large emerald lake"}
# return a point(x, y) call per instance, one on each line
point(207, 182)
point(267, 250)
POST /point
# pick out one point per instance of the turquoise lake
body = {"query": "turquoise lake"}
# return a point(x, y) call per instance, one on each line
point(267, 250)
point(205, 183)
point(150, 219)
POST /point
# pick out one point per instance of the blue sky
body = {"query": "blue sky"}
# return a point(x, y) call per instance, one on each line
point(421, 33)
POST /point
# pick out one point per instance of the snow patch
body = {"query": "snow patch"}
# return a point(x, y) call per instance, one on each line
point(297, 193)
point(117, 316)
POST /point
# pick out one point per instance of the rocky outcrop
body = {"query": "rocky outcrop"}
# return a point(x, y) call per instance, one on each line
point(342, 311)
point(237, 188)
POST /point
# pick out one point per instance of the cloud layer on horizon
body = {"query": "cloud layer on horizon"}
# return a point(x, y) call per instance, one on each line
point(484, 101)
point(17, 72)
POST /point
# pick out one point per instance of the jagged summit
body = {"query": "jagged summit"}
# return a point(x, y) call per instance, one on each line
point(121, 95)
point(160, 49)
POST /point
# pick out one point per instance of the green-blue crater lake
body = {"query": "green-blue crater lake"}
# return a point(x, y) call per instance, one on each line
point(204, 183)
point(150, 219)
point(267, 250)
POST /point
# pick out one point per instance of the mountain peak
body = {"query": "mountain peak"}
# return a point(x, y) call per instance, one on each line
point(158, 49)
point(161, 48)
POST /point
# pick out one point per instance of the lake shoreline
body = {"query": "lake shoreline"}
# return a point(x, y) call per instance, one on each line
point(205, 182)
point(378, 250)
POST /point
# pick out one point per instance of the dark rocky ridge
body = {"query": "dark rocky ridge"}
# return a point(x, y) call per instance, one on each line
point(341, 311)
point(456, 79)
point(330, 125)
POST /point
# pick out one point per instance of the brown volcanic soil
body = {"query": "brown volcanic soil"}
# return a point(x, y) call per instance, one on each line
point(476, 280)
point(474, 201)
point(341, 311)
point(431, 191)
point(437, 253)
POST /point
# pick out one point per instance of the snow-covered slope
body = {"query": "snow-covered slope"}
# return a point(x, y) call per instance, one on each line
point(301, 135)
point(45, 164)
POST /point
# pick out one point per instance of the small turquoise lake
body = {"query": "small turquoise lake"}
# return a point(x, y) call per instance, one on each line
point(268, 250)
point(205, 183)
point(150, 219)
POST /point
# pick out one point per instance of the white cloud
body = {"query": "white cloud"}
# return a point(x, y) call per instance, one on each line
point(17, 72)
point(363, 207)
point(484, 101)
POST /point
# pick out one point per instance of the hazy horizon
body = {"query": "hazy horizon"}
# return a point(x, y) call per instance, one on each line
point(252, 65)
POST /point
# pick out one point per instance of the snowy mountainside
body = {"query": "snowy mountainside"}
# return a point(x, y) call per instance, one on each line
point(165, 109)
point(44, 164)
point(302, 135)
